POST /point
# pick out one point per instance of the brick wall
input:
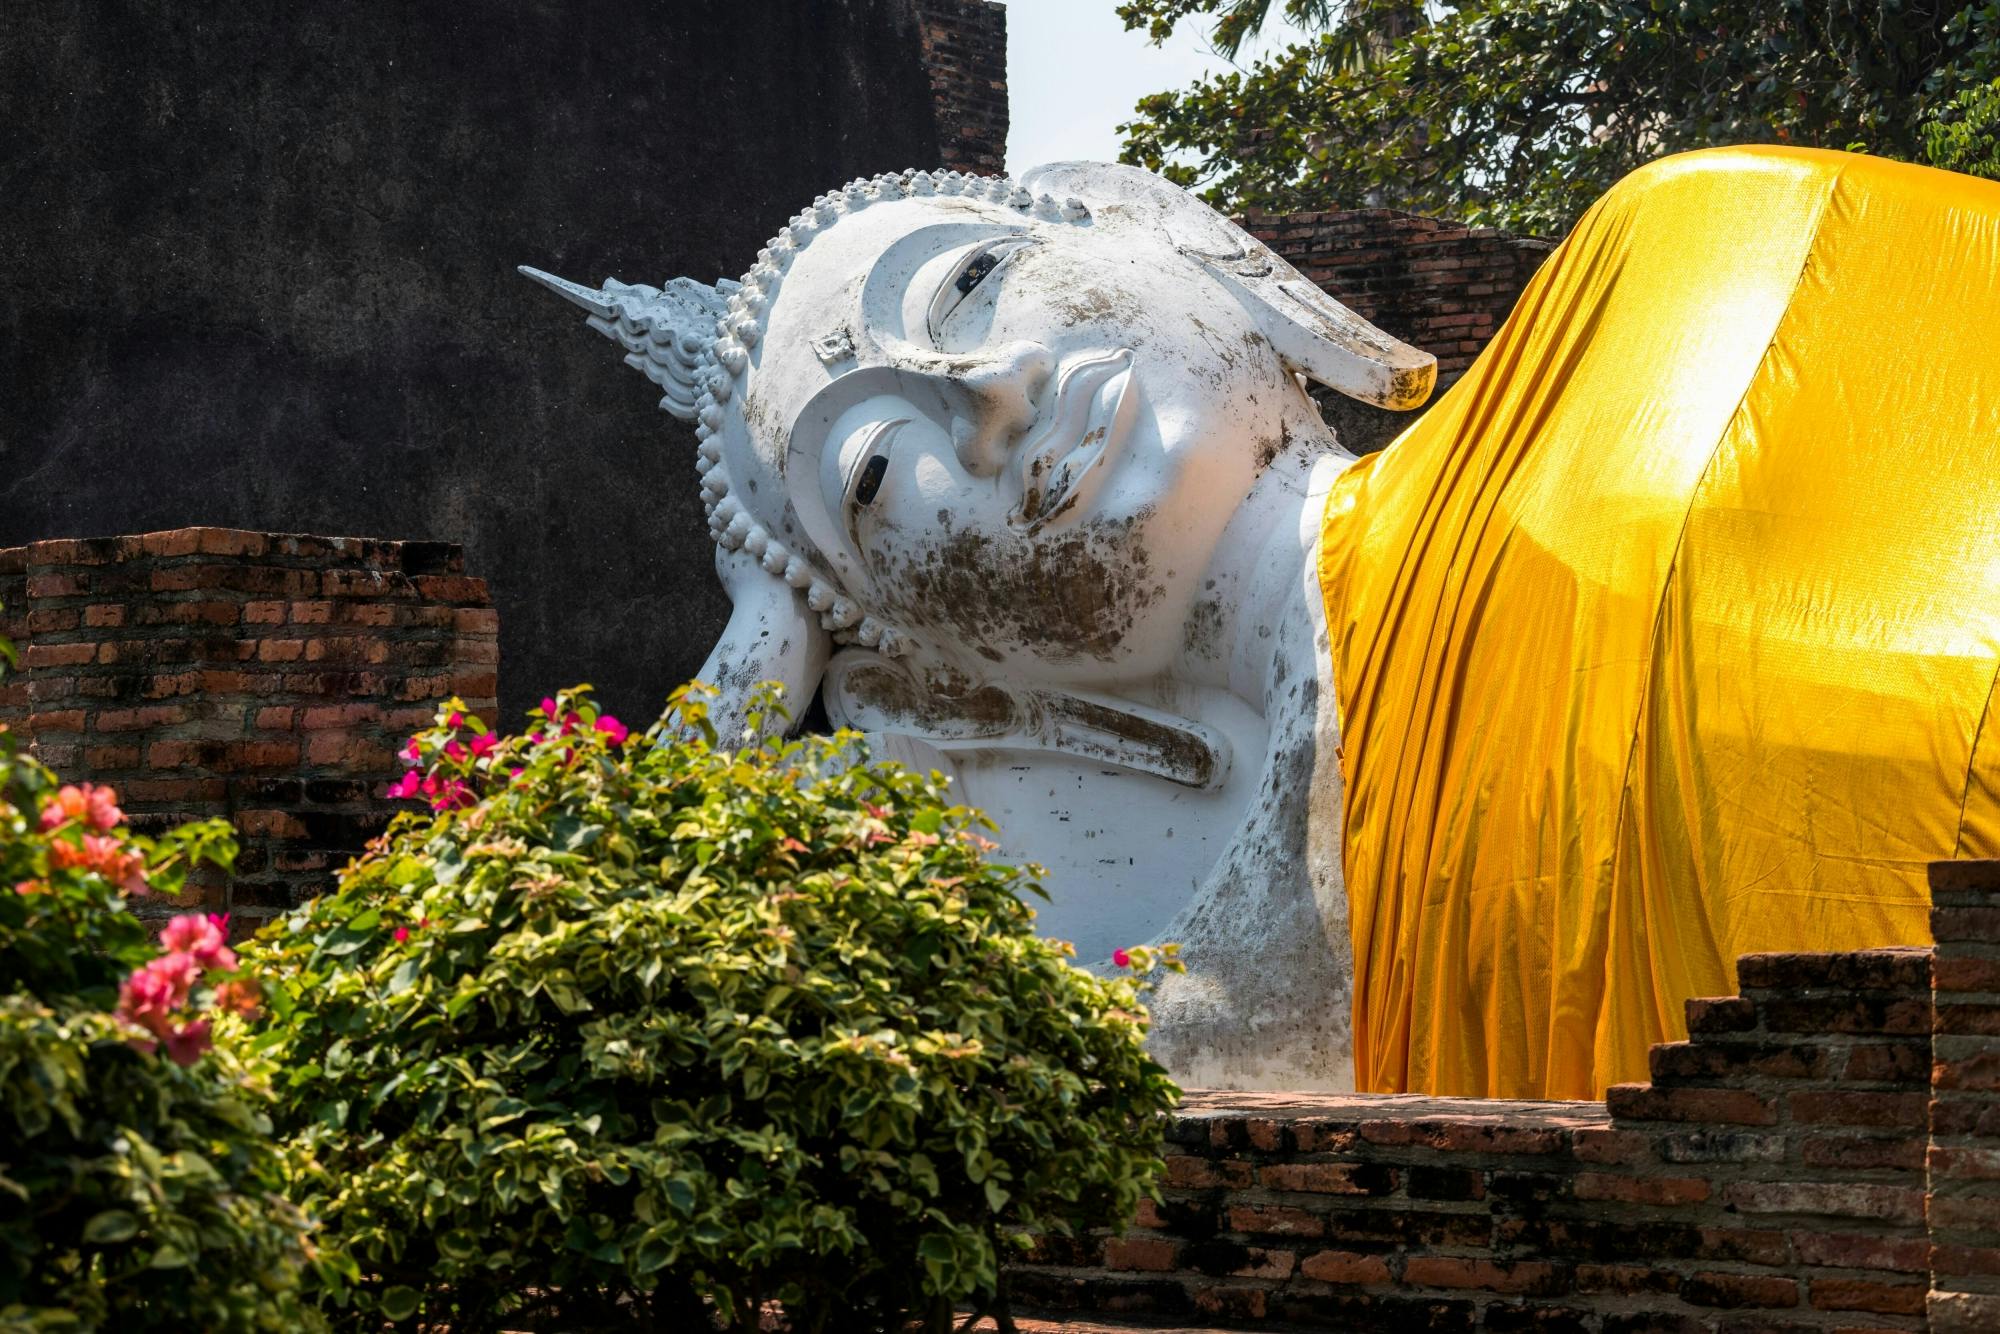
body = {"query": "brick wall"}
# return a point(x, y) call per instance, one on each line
point(1439, 285)
point(964, 45)
point(1964, 1159)
point(1799, 1164)
point(264, 678)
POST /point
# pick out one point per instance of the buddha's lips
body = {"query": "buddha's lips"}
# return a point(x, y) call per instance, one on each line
point(1088, 423)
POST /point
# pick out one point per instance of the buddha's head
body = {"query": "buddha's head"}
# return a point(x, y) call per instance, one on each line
point(995, 428)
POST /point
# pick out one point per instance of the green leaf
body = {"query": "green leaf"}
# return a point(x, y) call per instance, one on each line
point(111, 1225)
point(400, 1303)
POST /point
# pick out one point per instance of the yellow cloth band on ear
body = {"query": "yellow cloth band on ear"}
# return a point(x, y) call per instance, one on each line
point(1670, 633)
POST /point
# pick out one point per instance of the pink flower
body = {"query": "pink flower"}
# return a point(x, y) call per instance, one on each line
point(483, 744)
point(104, 855)
point(411, 753)
point(549, 707)
point(455, 752)
point(614, 731)
point(202, 939)
point(1121, 957)
point(456, 720)
point(513, 774)
point(402, 934)
point(404, 788)
point(41, 887)
point(186, 1043)
point(89, 804)
point(535, 738)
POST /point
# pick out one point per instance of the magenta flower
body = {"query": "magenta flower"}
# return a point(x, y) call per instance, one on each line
point(483, 744)
point(186, 1043)
point(402, 934)
point(411, 753)
point(454, 752)
point(549, 706)
point(451, 793)
point(405, 788)
point(455, 720)
point(1121, 957)
point(614, 731)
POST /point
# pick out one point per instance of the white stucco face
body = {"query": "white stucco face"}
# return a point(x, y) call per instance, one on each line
point(1018, 440)
point(1022, 476)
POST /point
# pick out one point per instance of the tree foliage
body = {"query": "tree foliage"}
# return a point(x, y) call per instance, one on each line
point(649, 1029)
point(1519, 113)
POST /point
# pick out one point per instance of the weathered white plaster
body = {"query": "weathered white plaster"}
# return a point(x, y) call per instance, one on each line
point(1023, 475)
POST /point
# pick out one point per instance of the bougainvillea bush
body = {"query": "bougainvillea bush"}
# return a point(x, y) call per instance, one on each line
point(138, 1184)
point(634, 1028)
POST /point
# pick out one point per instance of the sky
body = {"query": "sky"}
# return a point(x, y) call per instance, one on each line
point(1074, 73)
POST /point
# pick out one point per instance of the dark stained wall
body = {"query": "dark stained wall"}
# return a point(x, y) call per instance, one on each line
point(257, 270)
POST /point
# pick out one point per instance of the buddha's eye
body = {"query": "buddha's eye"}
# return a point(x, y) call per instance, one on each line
point(971, 271)
point(867, 462)
point(871, 478)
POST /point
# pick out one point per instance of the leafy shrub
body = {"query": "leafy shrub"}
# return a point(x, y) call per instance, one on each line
point(137, 1180)
point(1965, 133)
point(638, 1027)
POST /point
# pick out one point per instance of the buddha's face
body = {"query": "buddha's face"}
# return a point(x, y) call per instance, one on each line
point(1019, 440)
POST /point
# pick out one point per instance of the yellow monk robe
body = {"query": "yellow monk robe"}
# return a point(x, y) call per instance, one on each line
point(1669, 633)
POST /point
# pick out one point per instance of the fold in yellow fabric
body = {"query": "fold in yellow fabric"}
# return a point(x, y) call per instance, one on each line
point(1670, 633)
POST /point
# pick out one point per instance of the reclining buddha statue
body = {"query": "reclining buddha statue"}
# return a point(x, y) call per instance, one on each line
point(1667, 634)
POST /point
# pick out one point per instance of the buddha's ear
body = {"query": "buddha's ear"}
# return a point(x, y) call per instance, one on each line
point(872, 693)
point(1312, 333)
point(772, 635)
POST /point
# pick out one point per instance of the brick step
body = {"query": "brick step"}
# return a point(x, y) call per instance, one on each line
point(1892, 969)
point(1803, 998)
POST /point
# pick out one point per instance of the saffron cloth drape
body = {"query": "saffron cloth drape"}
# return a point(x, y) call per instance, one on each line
point(1670, 633)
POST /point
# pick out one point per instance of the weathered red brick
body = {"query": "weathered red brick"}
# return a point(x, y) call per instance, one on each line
point(1855, 1294)
point(1640, 1190)
point(1345, 1267)
point(130, 720)
point(1840, 1107)
point(341, 715)
point(1861, 1152)
point(1643, 1102)
point(1861, 1250)
point(1713, 1288)
point(1201, 1173)
point(1231, 1302)
point(39, 657)
point(1274, 1220)
point(1839, 1199)
point(53, 620)
point(1509, 1276)
point(1329, 1178)
point(102, 759)
point(269, 824)
point(51, 585)
point(1150, 1254)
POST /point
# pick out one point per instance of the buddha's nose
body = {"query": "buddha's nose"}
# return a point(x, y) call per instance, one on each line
point(997, 397)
